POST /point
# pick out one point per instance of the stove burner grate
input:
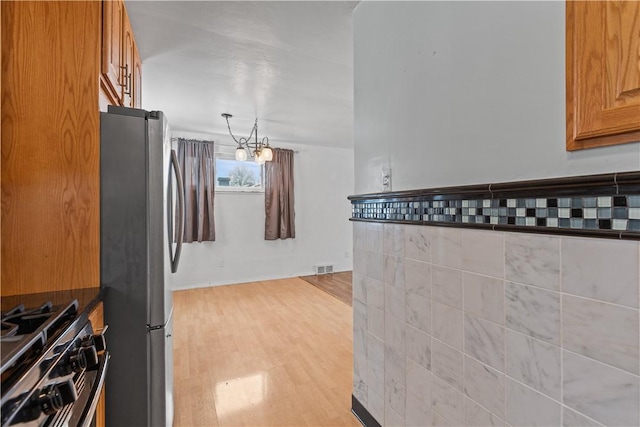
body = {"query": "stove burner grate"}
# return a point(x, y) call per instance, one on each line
point(19, 321)
point(27, 333)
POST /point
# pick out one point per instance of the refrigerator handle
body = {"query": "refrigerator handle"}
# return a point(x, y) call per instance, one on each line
point(181, 211)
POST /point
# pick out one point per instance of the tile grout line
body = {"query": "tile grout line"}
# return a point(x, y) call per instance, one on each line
point(504, 314)
point(591, 359)
point(561, 287)
point(462, 304)
point(431, 374)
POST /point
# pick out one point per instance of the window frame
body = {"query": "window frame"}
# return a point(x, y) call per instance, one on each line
point(223, 155)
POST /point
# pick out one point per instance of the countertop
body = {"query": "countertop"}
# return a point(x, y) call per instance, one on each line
point(87, 298)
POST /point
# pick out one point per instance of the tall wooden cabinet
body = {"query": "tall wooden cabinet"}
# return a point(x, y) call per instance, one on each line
point(121, 66)
point(50, 146)
point(61, 61)
point(603, 73)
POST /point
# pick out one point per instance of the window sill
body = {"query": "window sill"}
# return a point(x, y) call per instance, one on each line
point(220, 190)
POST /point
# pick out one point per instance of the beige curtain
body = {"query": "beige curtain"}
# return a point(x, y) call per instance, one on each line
point(278, 196)
point(197, 165)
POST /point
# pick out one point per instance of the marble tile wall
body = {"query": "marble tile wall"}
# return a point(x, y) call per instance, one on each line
point(486, 328)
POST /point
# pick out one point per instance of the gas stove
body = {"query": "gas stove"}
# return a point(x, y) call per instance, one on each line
point(52, 366)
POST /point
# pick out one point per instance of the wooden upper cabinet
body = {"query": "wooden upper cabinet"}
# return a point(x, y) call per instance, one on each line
point(120, 58)
point(603, 73)
point(112, 19)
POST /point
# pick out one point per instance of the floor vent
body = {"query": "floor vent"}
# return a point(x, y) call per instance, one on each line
point(324, 269)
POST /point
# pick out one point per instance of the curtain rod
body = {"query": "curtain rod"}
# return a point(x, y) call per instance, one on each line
point(197, 141)
point(200, 141)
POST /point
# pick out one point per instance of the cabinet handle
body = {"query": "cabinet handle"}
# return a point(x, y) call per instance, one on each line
point(126, 73)
point(127, 87)
point(127, 80)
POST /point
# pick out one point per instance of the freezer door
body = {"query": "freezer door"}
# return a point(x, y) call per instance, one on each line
point(161, 375)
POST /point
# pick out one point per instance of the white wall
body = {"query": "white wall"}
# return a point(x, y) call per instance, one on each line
point(453, 93)
point(323, 180)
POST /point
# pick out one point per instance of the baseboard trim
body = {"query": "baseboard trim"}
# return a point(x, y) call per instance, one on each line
point(244, 280)
point(362, 414)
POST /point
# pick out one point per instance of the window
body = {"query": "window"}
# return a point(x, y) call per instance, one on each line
point(232, 175)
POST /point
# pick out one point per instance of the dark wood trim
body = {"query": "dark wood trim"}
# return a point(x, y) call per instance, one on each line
point(430, 223)
point(604, 234)
point(585, 185)
point(610, 183)
point(362, 414)
point(628, 182)
point(479, 191)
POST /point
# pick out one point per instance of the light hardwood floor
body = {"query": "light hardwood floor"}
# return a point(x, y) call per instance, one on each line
point(273, 353)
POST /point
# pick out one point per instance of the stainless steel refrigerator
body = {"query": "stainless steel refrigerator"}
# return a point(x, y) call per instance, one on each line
point(141, 226)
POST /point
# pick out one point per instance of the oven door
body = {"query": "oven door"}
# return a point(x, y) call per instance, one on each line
point(88, 397)
point(87, 386)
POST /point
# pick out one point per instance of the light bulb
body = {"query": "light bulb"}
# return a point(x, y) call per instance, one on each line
point(267, 154)
point(259, 157)
point(241, 154)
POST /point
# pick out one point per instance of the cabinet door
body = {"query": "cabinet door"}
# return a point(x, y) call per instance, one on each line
point(50, 146)
point(112, 18)
point(603, 73)
point(127, 61)
point(137, 78)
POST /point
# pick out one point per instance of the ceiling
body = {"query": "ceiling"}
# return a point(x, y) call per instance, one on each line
point(288, 63)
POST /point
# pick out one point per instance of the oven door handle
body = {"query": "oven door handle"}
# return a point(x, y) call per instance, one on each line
point(90, 409)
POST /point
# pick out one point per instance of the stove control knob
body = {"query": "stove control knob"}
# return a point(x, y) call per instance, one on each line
point(67, 391)
point(91, 356)
point(96, 341)
point(57, 396)
point(84, 358)
point(78, 361)
point(100, 343)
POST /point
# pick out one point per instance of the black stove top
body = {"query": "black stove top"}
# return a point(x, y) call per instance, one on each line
point(52, 362)
point(26, 333)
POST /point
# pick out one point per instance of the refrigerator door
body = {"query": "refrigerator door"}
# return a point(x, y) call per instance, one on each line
point(161, 375)
point(161, 168)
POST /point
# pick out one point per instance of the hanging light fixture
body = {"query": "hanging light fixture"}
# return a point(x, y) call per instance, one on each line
point(260, 150)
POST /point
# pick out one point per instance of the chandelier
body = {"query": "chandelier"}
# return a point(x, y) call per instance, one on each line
point(259, 150)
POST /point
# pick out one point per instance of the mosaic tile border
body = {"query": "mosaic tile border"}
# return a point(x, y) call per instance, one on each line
point(596, 205)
